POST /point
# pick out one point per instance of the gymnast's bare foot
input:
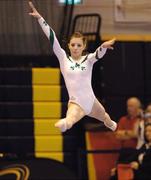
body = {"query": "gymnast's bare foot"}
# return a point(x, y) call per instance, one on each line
point(62, 125)
point(112, 125)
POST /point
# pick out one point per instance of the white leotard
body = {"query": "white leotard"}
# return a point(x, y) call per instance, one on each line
point(77, 74)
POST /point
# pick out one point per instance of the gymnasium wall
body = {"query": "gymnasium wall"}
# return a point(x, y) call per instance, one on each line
point(136, 21)
point(20, 34)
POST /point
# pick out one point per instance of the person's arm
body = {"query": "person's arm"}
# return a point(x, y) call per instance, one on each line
point(121, 133)
point(60, 53)
point(101, 50)
point(134, 165)
point(125, 134)
point(133, 133)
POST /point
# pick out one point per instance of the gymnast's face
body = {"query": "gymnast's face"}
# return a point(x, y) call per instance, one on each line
point(76, 47)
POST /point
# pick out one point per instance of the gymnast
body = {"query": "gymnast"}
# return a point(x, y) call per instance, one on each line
point(77, 72)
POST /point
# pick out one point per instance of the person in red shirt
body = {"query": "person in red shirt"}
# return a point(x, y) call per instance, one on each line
point(126, 125)
point(126, 131)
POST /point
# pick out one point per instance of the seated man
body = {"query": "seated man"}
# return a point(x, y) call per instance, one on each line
point(126, 127)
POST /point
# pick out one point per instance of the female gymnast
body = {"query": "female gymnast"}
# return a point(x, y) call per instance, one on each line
point(77, 73)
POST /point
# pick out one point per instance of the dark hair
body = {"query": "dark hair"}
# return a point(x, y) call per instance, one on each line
point(146, 125)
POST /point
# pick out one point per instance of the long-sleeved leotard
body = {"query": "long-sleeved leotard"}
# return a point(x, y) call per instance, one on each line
point(77, 74)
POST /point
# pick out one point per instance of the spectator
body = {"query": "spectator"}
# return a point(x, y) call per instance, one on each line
point(126, 125)
point(139, 131)
point(139, 126)
point(140, 162)
point(148, 108)
point(148, 113)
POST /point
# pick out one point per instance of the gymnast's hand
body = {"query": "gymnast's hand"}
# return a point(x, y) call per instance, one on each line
point(34, 12)
point(108, 44)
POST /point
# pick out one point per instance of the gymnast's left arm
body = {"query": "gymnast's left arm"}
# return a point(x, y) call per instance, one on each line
point(101, 50)
point(108, 44)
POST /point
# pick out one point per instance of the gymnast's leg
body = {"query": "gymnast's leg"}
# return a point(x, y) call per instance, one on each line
point(98, 112)
point(73, 115)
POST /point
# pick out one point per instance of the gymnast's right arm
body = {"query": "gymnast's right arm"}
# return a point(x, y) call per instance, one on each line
point(60, 53)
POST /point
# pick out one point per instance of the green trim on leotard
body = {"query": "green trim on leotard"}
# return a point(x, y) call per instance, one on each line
point(51, 37)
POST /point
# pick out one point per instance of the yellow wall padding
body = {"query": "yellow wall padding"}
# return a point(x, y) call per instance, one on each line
point(52, 155)
point(46, 93)
point(46, 76)
point(46, 127)
point(91, 165)
point(47, 109)
point(48, 143)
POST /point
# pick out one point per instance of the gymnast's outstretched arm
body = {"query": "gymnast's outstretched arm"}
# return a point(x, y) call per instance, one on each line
point(101, 50)
point(60, 53)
